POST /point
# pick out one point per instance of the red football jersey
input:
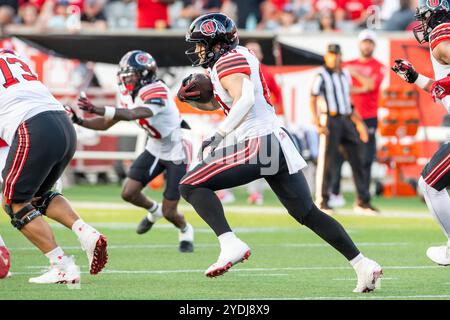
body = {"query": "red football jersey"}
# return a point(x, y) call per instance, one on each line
point(150, 13)
point(354, 9)
point(366, 104)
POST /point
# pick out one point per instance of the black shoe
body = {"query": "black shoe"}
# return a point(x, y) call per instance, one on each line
point(326, 209)
point(144, 226)
point(186, 246)
point(365, 208)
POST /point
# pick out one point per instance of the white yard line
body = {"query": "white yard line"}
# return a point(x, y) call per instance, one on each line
point(114, 271)
point(250, 210)
point(211, 245)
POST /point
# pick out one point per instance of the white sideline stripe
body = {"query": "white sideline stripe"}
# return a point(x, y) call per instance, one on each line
point(264, 275)
point(354, 279)
point(165, 226)
point(250, 210)
point(112, 271)
point(210, 245)
point(357, 296)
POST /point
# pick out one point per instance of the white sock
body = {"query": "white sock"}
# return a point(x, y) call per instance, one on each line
point(56, 256)
point(154, 207)
point(151, 211)
point(438, 203)
point(357, 259)
point(226, 238)
point(2, 243)
point(81, 228)
point(186, 228)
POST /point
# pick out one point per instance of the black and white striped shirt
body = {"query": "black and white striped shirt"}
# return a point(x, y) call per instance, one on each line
point(334, 88)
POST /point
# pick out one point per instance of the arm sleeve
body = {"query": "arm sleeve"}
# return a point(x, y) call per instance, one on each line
point(240, 109)
point(316, 89)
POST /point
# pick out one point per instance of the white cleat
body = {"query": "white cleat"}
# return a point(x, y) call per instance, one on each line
point(235, 253)
point(186, 239)
point(95, 246)
point(68, 273)
point(369, 275)
point(439, 255)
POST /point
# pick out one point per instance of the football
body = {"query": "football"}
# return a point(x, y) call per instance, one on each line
point(202, 82)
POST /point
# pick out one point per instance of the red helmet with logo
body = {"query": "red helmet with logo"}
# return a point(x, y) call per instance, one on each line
point(210, 30)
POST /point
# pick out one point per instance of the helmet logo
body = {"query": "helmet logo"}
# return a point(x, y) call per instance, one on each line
point(432, 4)
point(142, 59)
point(208, 27)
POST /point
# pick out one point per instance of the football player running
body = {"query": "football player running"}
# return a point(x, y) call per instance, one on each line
point(254, 146)
point(155, 111)
point(434, 29)
point(42, 142)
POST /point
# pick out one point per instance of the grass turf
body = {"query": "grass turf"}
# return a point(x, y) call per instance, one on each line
point(288, 261)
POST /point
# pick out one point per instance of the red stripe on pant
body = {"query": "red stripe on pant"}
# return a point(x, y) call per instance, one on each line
point(210, 166)
point(15, 164)
point(19, 162)
point(443, 173)
point(438, 168)
point(251, 152)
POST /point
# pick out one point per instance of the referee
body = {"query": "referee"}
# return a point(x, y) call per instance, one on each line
point(339, 127)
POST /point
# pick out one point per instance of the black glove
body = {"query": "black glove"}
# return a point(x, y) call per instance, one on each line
point(405, 70)
point(212, 142)
point(73, 115)
point(86, 105)
point(186, 93)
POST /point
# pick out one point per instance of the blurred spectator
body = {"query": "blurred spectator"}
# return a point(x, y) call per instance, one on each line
point(93, 16)
point(195, 8)
point(54, 14)
point(401, 18)
point(354, 11)
point(269, 16)
point(8, 8)
point(229, 8)
point(327, 21)
point(121, 14)
point(28, 14)
point(303, 8)
point(321, 5)
point(249, 13)
point(153, 14)
point(288, 21)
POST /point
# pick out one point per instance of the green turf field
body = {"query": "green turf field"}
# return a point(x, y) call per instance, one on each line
point(287, 262)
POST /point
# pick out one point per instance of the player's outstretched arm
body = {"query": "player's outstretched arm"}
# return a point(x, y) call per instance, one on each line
point(405, 70)
point(111, 113)
point(97, 123)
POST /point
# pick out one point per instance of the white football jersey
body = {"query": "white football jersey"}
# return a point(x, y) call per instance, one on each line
point(261, 119)
point(441, 71)
point(163, 128)
point(22, 95)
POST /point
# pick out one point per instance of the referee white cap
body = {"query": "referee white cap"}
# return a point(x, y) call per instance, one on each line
point(367, 34)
